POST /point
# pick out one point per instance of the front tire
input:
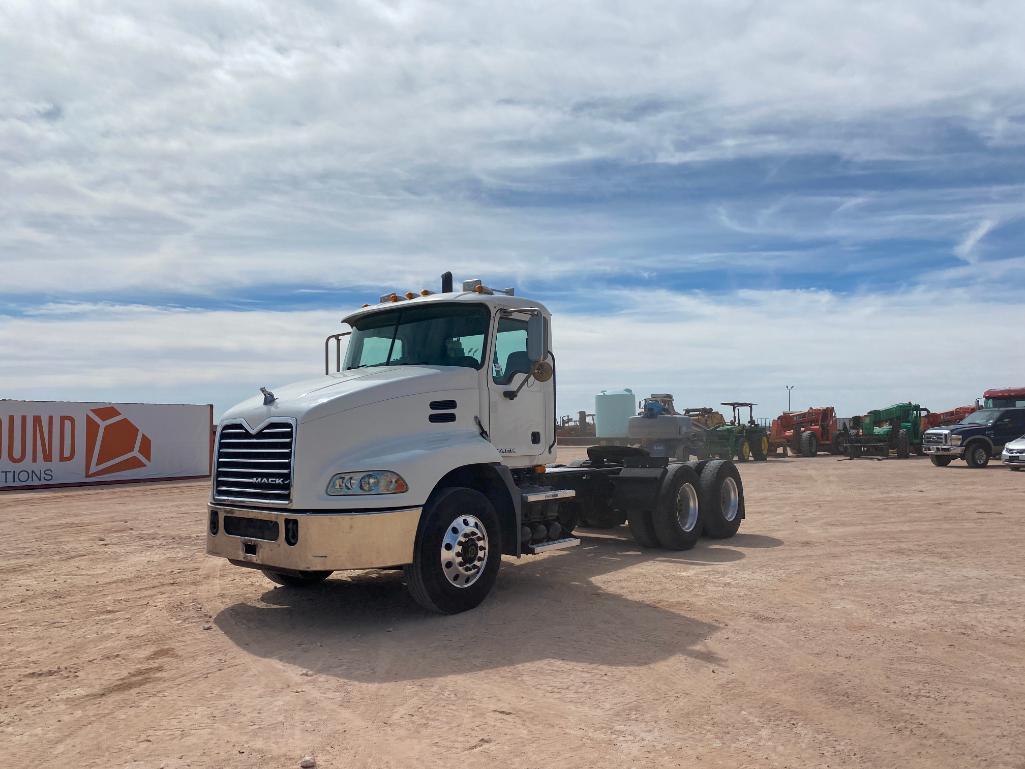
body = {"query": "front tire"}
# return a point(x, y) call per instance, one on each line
point(977, 455)
point(941, 461)
point(722, 499)
point(457, 553)
point(677, 519)
point(295, 579)
point(743, 450)
point(809, 445)
point(839, 444)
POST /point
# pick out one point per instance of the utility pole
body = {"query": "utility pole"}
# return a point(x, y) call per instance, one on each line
point(789, 388)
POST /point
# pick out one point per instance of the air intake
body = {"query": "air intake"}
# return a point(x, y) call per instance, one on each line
point(255, 467)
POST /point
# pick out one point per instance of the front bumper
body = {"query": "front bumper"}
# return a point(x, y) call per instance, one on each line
point(942, 451)
point(1015, 460)
point(322, 541)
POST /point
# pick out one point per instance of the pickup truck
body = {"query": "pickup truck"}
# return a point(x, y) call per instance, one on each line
point(976, 439)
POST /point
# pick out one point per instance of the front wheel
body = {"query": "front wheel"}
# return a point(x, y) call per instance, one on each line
point(743, 450)
point(840, 444)
point(941, 461)
point(722, 499)
point(809, 445)
point(295, 578)
point(977, 455)
point(457, 553)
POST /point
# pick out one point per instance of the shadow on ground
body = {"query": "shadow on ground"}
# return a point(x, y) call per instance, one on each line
point(363, 626)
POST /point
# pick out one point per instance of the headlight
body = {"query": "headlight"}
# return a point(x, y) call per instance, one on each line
point(372, 482)
point(955, 440)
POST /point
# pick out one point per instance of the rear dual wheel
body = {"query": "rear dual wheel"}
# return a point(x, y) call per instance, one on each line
point(677, 519)
point(707, 499)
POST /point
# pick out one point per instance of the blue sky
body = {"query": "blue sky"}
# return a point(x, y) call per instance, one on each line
point(717, 199)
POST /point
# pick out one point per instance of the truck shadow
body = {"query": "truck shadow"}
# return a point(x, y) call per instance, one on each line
point(364, 627)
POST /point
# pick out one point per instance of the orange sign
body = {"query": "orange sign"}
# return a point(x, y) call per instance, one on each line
point(39, 442)
point(113, 443)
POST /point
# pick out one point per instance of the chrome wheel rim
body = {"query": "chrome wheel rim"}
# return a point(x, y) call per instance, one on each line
point(980, 456)
point(729, 496)
point(464, 551)
point(687, 507)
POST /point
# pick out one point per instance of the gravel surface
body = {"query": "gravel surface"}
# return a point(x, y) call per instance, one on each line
point(869, 614)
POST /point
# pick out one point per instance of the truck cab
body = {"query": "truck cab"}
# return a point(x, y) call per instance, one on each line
point(425, 447)
point(976, 439)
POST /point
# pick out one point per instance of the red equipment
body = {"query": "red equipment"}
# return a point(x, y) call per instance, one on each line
point(1006, 397)
point(805, 432)
point(952, 417)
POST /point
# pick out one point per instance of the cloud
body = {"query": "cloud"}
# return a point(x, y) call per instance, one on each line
point(712, 194)
point(966, 249)
point(249, 143)
point(854, 352)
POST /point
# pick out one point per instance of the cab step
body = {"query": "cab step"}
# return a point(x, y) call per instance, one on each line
point(555, 544)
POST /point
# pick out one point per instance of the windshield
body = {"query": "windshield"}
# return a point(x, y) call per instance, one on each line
point(983, 417)
point(432, 335)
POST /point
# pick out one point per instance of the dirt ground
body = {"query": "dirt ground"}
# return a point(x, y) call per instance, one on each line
point(869, 614)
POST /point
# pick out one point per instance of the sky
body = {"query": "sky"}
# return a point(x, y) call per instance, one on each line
point(716, 199)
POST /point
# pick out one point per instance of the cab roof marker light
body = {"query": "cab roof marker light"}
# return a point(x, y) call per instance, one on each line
point(409, 295)
point(425, 292)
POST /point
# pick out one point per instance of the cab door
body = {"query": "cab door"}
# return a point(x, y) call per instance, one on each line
point(520, 427)
point(1008, 426)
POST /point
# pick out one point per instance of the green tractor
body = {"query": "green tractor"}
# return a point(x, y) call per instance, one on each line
point(897, 428)
point(737, 438)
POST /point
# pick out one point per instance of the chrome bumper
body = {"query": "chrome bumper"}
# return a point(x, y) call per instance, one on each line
point(943, 451)
point(1018, 460)
point(322, 541)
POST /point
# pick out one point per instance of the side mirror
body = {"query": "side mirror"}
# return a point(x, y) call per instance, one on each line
point(536, 348)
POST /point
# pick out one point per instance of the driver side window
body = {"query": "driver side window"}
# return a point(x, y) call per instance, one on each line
point(510, 351)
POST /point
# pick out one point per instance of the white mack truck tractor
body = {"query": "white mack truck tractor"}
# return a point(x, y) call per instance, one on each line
point(429, 448)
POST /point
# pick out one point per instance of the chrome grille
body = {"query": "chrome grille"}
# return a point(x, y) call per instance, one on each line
point(255, 467)
point(934, 439)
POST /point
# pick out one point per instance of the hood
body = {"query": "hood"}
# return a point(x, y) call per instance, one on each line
point(1017, 443)
point(959, 428)
point(315, 398)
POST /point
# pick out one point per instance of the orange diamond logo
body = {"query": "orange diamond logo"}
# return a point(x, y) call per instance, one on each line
point(113, 443)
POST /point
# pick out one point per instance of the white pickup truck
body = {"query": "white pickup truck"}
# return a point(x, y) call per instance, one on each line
point(429, 447)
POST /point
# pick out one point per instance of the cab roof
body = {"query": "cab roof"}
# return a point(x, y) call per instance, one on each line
point(493, 301)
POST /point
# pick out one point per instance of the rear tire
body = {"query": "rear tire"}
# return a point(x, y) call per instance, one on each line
point(457, 552)
point(839, 445)
point(977, 455)
point(941, 461)
point(296, 579)
point(722, 499)
point(760, 448)
point(809, 445)
point(677, 519)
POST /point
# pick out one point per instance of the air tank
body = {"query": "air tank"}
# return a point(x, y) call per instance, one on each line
point(612, 412)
